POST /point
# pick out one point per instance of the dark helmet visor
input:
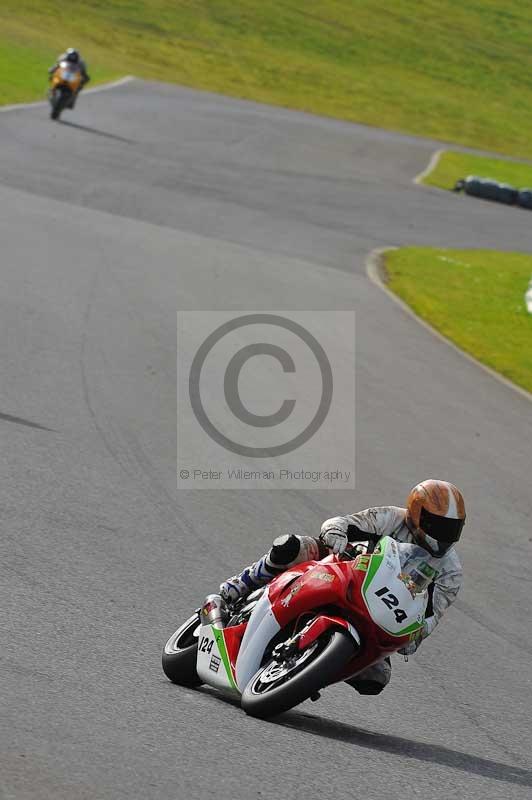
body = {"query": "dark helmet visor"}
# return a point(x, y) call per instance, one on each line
point(442, 529)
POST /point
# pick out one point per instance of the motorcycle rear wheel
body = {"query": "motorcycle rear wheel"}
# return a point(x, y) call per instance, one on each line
point(180, 653)
point(279, 686)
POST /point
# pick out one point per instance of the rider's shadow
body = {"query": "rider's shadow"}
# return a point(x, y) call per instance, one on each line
point(397, 745)
point(96, 132)
point(386, 743)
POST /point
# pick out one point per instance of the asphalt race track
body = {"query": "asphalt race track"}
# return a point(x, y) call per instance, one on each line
point(149, 199)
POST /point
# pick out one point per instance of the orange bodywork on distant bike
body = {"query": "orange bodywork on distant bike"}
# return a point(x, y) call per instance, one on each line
point(67, 75)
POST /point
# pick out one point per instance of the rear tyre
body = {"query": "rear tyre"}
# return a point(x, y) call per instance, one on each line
point(281, 685)
point(180, 652)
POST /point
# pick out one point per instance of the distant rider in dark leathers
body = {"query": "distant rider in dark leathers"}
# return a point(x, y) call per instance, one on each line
point(73, 57)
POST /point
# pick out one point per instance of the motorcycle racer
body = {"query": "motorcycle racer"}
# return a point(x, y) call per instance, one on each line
point(433, 519)
point(73, 57)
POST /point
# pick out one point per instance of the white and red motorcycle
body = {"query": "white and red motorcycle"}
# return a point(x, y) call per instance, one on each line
point(315, 624)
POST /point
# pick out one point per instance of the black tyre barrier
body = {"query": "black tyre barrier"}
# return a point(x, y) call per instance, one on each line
point(506, 194)
point(489, 189)
point(524, 198)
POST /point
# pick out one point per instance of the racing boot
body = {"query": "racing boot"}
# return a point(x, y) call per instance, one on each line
point(286, 551)
point(373, 679)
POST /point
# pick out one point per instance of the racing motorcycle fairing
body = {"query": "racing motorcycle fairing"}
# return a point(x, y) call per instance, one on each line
point(371, 598)
point(68, 75)
point(261, 629)
point(214, 666)
point(395, 601)
point(316, 627)
point(373, 594)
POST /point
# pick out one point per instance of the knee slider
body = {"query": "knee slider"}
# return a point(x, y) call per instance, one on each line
point(367, 687)
point(284, 549)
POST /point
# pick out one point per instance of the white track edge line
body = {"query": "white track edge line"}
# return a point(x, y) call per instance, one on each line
point(101, 88)
point(435, 157)
point(375, 272)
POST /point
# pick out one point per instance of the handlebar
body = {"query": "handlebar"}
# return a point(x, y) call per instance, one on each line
point(355, 549)
point(352, 551)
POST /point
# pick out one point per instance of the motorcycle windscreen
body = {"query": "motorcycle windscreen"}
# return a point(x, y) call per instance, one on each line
point(394, 604)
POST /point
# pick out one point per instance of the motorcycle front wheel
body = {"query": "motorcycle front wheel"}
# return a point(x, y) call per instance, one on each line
point(282, 684)
point(180, 653)
point(58, 101)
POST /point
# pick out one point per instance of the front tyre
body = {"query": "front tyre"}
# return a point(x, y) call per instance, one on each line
point(180, 653)
point(283, 684)
point(59, 101)
point(56, 105)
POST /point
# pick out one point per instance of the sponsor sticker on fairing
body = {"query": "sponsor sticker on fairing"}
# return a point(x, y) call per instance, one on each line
point(362, 563)
point(214, 663)
point(286, 600)
point(323, 576)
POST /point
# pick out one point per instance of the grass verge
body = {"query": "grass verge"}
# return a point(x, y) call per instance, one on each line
point(473, 297)
point(434, 69)
point(453, 166)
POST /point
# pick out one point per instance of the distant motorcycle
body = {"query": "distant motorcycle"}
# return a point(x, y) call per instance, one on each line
point(66, 82)
point(315, 624)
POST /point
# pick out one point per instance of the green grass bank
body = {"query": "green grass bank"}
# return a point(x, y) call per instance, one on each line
point(459, 70)
point(473, 297)
point(452, 166)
